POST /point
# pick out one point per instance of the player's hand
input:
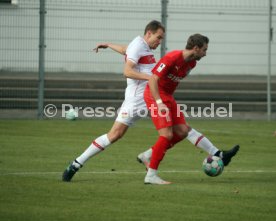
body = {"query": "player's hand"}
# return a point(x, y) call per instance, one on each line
point(104, 46)
point(162, 108)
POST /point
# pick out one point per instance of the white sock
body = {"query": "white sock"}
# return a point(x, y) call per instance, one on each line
point(151, 172)
point(98, 145)
point(148, 153)
point(202, 142)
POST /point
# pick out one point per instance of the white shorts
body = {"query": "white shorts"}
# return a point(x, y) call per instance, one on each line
point(132, 109)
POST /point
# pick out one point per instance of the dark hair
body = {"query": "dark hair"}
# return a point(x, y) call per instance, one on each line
point(196, 40)
point(154, 26)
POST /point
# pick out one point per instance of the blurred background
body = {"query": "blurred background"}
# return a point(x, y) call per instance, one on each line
point(46, 52)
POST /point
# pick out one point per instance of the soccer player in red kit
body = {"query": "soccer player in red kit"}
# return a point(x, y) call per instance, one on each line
point(165, 113)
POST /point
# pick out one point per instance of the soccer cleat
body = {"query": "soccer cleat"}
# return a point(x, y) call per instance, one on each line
point(69, 172)
point(155, 180)
point(227, 155)
point(141, 158)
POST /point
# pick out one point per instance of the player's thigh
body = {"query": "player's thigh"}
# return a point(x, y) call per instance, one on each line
point(131, 110)
point(161, 119)
point(177, 115)
point(179, 125)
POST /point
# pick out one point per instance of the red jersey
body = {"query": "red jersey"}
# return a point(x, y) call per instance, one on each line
point(172, 69)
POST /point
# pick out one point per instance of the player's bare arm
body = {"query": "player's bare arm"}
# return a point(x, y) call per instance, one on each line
point(153, 85)
point(121, 49)
point(130, 72)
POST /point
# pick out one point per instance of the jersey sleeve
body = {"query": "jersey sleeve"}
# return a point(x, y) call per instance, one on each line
point(162, 67)
point(133, 53)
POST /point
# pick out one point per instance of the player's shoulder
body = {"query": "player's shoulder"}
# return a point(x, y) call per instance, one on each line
point(174, 53)
point(137, 42)
point(138, 47)
point(172, 56)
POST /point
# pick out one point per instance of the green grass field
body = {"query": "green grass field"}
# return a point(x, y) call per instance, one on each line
point(110, 186)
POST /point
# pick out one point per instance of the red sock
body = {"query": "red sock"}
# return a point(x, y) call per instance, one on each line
point(174, 140)
point(158, 151)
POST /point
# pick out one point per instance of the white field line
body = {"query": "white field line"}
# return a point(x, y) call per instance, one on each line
point(30, 173)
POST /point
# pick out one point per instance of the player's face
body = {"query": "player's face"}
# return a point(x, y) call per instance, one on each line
point(200, 52)
point(156, 38)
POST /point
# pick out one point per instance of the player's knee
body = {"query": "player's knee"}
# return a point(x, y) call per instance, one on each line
point(183, 133)
point(169, 136)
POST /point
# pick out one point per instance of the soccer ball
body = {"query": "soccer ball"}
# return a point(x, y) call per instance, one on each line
point(212, 166)
point(71, 114)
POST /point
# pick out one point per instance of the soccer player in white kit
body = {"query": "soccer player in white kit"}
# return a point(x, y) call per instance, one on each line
point(139, 62)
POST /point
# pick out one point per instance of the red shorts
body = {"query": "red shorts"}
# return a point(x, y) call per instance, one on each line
point(173, 116)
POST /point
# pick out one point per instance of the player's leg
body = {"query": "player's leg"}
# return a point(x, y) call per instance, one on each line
point(199, 140)
point(119, 128)
point(180, 131)
point(145, 156)
point(180, 127)
point(202, 142)
point(163, 123)
point(158, 152)
point(98, 145)
point(168, 137)
point(116, 132)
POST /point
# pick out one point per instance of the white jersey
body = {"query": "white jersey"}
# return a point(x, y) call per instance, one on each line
point(139, 52)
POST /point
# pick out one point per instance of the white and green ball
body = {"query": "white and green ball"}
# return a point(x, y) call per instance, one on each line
point(212, 166)
point(71, 114)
